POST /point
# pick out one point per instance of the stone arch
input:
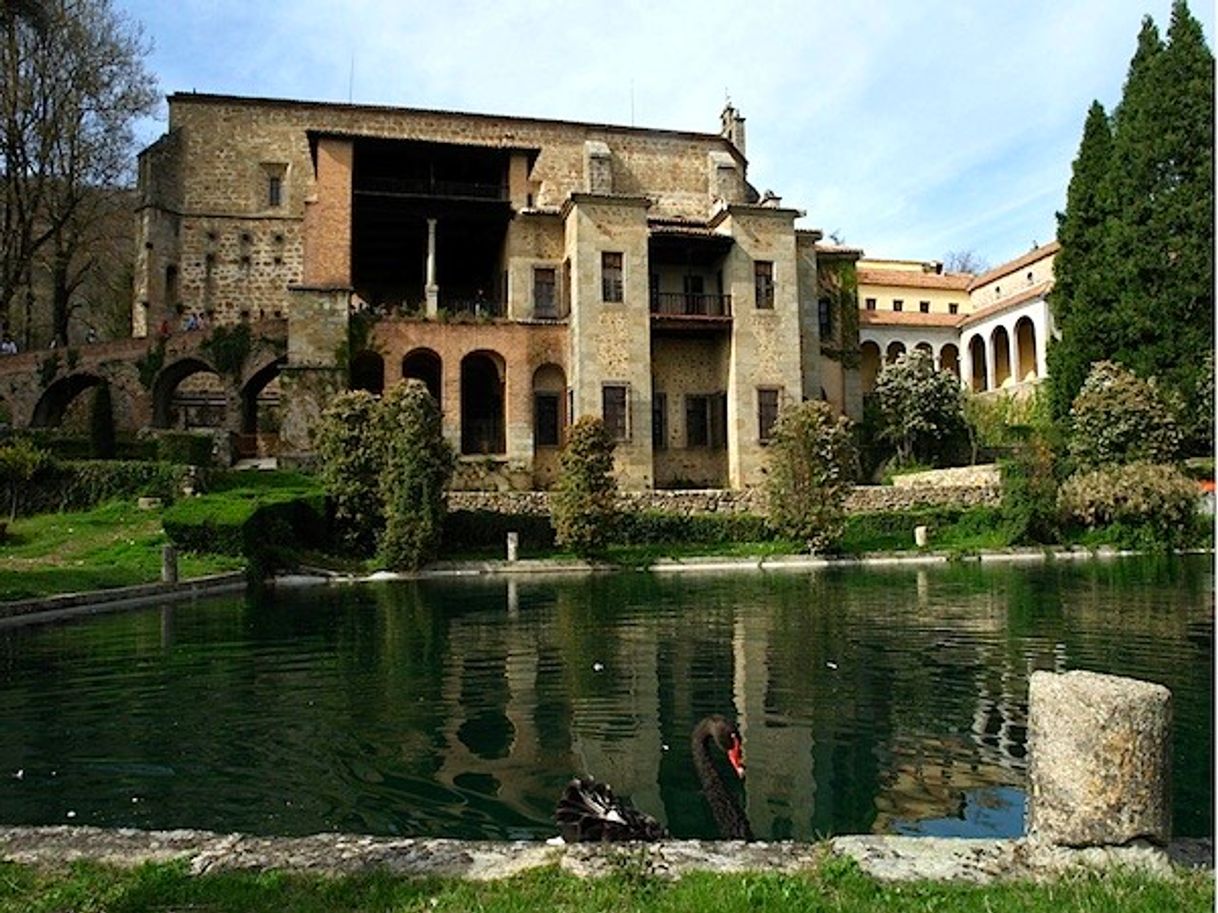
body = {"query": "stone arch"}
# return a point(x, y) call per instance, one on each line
point(426, 365)
point(1025, 344)
point(869, 364)
point(483, 383)
point(549, 395)
point(368, 372)
point(926, 347)
point(253, 388)
point(56, 398)
point(895, 350)
point(949, 359)
point(976, 350)
point(165, 389)
point(1000, 343)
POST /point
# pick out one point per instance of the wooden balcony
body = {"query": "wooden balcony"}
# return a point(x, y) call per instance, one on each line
point(687, 309)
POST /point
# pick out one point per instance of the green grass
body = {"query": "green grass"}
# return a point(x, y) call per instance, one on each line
point(114, 544)
point(837, 885)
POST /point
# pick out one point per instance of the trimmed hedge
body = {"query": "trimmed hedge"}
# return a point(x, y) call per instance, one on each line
point(81, 484)
point(77, 447)
point(262, 525)
point(187, 447)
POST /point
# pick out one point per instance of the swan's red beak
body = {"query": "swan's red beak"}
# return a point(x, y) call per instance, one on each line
point(735, 756)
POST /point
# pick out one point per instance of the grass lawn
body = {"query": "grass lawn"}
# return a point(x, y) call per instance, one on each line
point(114, 544)
point(838, 885)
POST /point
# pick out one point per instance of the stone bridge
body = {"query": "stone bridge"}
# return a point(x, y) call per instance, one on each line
point(37, 388)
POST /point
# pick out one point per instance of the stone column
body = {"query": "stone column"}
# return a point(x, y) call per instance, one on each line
point(966, 365)
point(991, 362)
point(1041, 329)
point(432, 290)
point(1013, 355)
point(1099, 759)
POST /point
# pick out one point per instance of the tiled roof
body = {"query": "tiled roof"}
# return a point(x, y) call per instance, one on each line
point(914, 279)
point(1037, 253)
point(907, 319)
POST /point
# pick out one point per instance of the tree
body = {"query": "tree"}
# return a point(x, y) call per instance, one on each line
point(20, 463)
point(964, 261)
point(74, 83)
point(810, 472)
point(352, 460)
point(1119, 418)
point(921, 409)
point(1140, 292)
point(418, 468)
point(1082, 284)
point(584, 504)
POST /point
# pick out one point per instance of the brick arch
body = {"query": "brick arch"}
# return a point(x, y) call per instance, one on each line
point(58, 396)
point(166, 384)
point(252, 385)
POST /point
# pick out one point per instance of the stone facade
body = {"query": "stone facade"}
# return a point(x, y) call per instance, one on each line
point(531, 271)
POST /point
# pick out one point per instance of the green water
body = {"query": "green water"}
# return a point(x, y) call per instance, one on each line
point(871, 700)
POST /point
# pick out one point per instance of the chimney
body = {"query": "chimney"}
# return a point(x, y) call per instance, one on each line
point(731, 126)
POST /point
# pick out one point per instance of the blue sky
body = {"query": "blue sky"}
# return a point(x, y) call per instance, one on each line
point(908, 127)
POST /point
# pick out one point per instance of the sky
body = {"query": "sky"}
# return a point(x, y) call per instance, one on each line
point(909, 128)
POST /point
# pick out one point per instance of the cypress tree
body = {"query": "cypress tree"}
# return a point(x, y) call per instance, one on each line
point(101, 424)
point(1078, 299)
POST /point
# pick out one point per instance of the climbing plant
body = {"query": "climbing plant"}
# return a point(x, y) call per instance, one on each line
point(837, 282)
point(149, 366)
point(48, 368)
point(228, 347)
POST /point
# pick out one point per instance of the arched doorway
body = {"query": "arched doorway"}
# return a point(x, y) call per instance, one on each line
point(260, 419)
point(976, 351)
point(949, 359)
point(368, 372)
point(895, 350)
point(869, 365)
point(425, 365)
point(483, 379)
point(1000, 342)
point(1025, 344)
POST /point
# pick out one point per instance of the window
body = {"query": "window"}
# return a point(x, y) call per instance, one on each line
point(824, 310)
point(763, 284)
point(706, 420)
point(659, 421)
point(611, 276)
point(870, 303)
point(615, 410)
point(767, 413)
point(953, 308)
point(545, 299)
point(898, 304)
point(546, 419)
point(274, 191)
point(924, 307)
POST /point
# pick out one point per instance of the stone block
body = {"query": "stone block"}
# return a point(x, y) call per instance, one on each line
point(1099, 759)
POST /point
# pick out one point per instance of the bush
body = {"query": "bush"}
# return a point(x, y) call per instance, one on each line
point(811, 470)
point(20, 463)
point(486, 529)
point(1156, 498)
point(894, 530)
point(101, 425)
point(1119, 418)
point(583, 505)
point(1030, 493)
point(921, 409)
point(185, 448)
point(352, 460)
point(418, 468)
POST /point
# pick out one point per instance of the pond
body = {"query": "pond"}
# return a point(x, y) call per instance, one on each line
point(871, 700)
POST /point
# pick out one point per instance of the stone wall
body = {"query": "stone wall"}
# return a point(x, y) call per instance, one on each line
point(985, 475)
point(863, 499)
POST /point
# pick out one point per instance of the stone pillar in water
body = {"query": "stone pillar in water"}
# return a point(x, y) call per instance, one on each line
point(1099, 759)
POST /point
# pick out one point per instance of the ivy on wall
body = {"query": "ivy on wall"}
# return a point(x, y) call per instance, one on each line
point(228, 347)
point(837, 280)
point(150, 365)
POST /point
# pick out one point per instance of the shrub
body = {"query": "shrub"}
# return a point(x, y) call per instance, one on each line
point(418, 468)
point(1030, 493)
point(185, 448)
point(1153, 497)
point(20, 463)
point(811, 464)
point(583, 505)
point(486, 529)
point(101, 425)
point(921, 409)
point(352, 459)
point(1119, 418)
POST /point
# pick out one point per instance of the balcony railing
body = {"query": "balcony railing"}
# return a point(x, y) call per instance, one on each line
point(683, 304)
point(429, 187)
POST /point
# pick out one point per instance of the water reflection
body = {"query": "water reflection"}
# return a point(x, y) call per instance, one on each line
point(889, 701)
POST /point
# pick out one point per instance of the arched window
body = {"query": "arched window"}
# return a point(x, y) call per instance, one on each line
point(368, 372)
point(425, 365)
point(1025, 343)
point(482, 403)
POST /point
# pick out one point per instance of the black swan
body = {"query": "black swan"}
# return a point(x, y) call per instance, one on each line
point(589, 811)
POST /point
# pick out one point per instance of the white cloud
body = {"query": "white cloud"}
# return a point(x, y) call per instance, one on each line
point(913, 127)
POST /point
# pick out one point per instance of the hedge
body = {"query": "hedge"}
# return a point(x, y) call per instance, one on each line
point(187, 447)
point(81, 484)
point(262, 525)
